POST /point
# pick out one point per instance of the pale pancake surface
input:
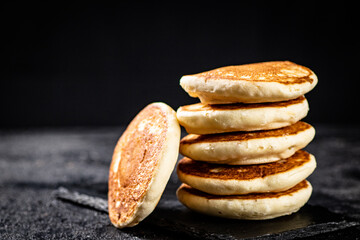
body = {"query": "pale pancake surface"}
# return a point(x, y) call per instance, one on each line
point(243, 148)
point(255, 206)
point(250, 83)
point(143, 160)
point(243, 179)
point(208, 119)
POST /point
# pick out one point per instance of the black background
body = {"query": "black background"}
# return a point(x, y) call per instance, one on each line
point(89, 65)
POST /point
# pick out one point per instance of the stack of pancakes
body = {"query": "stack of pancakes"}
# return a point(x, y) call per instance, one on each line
point(243, 156)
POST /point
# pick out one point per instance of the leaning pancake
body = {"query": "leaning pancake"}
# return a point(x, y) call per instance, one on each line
point(232, 180)
point(207, 119)
point(243, 148)
point(143, 160)
point(255, 206)
point(250, 83)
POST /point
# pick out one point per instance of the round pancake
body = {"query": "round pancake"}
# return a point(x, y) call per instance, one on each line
point(250, 83)
point(143, 160)
point(207, 119)
point(243, 148)
point(233, 180)
point(255, 206)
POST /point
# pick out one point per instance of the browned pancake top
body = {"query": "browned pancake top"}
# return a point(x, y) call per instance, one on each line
point(243, 136)
point(241, 172)
point(237, 106)
point(302, 185)
point(135, 159)
point(284, 72)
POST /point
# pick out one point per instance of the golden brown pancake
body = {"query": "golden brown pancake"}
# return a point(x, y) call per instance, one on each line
point(284, 72)
point(254, 206)
point(244, 136)
point(208, 119)
point(143, 160)
point(297, 187)
point(243, 148)
point(221, 179)
point(250, 83)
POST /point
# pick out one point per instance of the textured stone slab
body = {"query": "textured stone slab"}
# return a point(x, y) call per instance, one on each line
point(35, 163)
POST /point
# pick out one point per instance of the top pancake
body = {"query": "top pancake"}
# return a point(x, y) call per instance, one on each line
point(143, 160)
point(250, 83)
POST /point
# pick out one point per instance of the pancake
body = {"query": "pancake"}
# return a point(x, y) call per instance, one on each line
point(233, 180)
point(143, 160)
point(207, 119)
point(250, 83)
point(255, 206)
point(243, 148)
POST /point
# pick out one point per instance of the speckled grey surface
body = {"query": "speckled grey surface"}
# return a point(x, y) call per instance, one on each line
point(34, 163)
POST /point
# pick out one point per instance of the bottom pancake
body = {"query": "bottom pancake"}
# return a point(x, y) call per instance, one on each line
point(255, 206)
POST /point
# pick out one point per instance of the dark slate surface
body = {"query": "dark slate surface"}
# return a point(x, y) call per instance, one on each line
point(41, 168)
